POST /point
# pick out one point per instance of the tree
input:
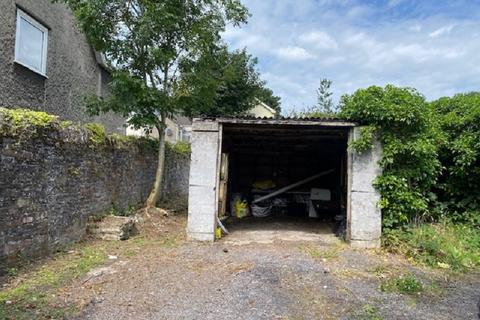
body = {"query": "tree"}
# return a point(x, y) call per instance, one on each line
point(324, 98)
point(459, 187)
point(222, 83)
point(266, 95)
point(147, 41)
point(219, 83)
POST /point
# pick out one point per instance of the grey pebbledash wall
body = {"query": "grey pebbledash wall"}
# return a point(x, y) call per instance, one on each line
point(52, 179)
point(72, 68)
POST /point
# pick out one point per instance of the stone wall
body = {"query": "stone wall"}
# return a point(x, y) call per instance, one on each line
point(177, 169)
point(72, 68)
point(52, 178)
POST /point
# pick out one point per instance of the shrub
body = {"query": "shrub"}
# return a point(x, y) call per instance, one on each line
point(459, 189)
point(406, 126)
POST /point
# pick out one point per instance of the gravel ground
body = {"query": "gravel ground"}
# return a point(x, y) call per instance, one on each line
point(279, 280)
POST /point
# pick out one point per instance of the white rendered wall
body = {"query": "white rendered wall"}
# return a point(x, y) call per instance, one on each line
point(202, 203)
point(364, 217)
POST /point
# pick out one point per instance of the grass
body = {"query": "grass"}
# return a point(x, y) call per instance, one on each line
point(316, 253)
point(35, 293)
point(369, 312)
point(33, 297)
point(443, 245)
point(406, 284)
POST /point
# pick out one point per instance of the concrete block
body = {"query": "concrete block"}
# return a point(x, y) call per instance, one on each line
point(365, 244)
point(203, 166)
point(365, 167)
point(205, 125)
point(202, 205)
point(365, 217)
point(203, 237)
point(201, 210)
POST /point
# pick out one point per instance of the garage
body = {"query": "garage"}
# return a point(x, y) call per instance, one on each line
point(284, 172)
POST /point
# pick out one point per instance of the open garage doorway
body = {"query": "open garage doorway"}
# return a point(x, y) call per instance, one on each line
point(284, 182)
point(281, 175)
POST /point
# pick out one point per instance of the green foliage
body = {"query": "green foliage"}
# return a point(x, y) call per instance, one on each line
point(364, 142)
point(368, 312)
point(219, 83)
point(181, 148)
point(324, 97)
point(24, 121)
point(129, 211)
point(459, 188)
point(222, 83)
point(410, 137)
point(266, 95)
point(406, 284)
point(149, 41)
point(442, 245)
point(324, 108)
point(97, 133)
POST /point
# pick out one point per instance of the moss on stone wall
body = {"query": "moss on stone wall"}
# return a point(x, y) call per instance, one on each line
point(180, 148)
point(24, 124)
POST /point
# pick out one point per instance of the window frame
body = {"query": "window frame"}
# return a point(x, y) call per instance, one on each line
point(29, 19)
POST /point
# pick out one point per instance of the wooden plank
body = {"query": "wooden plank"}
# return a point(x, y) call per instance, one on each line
point(292, 186)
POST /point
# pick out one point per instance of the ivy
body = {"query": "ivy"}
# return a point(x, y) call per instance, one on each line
point(406, 126)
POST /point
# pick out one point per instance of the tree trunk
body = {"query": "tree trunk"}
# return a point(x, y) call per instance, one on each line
point(157, 185)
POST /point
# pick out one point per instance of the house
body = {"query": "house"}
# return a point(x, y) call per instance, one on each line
point(299, 169)
point(46, 62)
point(262, 110)
point(178, 129)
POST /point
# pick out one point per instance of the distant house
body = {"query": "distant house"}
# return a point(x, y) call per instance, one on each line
point(46, 62)
point(262, 110)
point(178, 129)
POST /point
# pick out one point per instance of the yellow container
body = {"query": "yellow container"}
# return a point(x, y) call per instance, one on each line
point(218, 233)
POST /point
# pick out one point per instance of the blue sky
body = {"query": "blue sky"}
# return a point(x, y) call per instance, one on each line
point(432, 45)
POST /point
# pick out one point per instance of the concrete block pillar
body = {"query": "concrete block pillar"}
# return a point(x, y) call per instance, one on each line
point(364, 218)
point(202, 205)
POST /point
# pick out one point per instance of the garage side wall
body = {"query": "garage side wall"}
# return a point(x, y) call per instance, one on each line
point(364, 215)
point(202, 204)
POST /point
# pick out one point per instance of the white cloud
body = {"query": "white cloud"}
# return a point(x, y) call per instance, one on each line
point(441, 31)
point(294, 53)
point(416, 28)
point(319, 39)
point(357, 45)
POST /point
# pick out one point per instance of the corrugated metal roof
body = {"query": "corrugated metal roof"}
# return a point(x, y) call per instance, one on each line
point(281, 120)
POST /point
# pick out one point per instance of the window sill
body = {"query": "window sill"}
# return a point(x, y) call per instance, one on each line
point(30, 68)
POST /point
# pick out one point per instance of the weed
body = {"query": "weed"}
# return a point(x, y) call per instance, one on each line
point(12, 272)
point(316, 253)
point(181, 148)
point(97, 133)
point(442, 245)
point(369, 312)
point(406, 284)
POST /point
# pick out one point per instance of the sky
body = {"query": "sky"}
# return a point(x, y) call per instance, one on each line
point(431, 45)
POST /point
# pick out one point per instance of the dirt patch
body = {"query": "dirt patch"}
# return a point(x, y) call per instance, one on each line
point(158, 275)
point(279, 280)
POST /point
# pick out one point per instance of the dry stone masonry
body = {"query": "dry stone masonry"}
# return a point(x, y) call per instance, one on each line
point(53, 177)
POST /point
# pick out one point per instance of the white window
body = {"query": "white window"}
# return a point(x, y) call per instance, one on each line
point(31, 43)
